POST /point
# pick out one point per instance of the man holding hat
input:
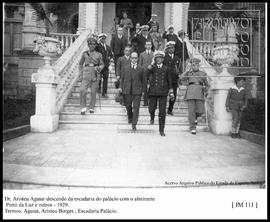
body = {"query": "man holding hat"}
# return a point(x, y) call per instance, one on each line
point(153, 21)
point(90, 66)
point(173, 63)
point(141, 38)
point(196, 91)
point(106, 52)
point(160, 84)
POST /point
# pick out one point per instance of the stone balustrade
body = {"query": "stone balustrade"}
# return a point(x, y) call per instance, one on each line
point(65, 39)
point(205, 48)
point(67, 69)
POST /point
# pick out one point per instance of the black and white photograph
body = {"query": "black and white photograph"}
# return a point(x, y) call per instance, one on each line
point(118, 110)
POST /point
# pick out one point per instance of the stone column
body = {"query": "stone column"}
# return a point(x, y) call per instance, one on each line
point(221, 121)
point(179, 13)
point(88, 17)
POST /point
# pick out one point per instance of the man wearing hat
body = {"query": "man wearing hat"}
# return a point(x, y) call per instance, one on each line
point(196, 91)
point(118, 43)
point(90, 66)
point(153, 21)
point(170, 35)
point(181, 50)
point(106, 52)
point(172, 61)
point(141, 38)
point(131, 85)
point(160, 84)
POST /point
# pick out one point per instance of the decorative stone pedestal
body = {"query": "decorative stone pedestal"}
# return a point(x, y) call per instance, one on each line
point(221, 122)
point(45, 119)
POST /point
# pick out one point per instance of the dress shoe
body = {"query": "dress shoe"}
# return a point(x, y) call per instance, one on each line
point(83, 111)
point(91, 111)
point(233, 135)
point(134, 128)
point(196, 122)
point(151, 122)
point(193, 132)
point(129, 121)
point(162, 133)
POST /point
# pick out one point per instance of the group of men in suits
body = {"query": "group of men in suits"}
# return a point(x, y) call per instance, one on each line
point(141, 70)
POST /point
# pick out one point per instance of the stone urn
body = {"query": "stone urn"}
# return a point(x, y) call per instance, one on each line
point(225, 56)
point(47, 47)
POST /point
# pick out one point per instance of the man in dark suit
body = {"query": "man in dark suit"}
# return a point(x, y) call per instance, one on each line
point(123, 61)
point(160, 85)
point(173, 63)
point(118, 43)
point(182, 51)
point(141, 38)
point(131, 86)
point(145, 60)
point(106, 52)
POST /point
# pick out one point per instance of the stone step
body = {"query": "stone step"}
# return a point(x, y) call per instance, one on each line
point(111, 84)
point(116, 109)
point(112, 89)
point(110, 94)
point(74, 100)
point(124, 127)
point(121, 118)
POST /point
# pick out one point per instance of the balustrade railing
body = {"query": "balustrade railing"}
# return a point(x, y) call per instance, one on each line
point(205, 48)
point(67, 69)
point(65, 39)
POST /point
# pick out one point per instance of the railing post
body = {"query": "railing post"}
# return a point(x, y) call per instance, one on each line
point(45, 118)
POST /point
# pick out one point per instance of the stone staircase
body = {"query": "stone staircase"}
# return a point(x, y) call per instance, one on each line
point(110, 114)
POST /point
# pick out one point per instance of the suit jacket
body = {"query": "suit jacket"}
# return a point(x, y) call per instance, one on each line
point(121, 63)
point(170, 37)
point(140, 40)
point(173, 65)
point(236, 98)
point(106, 54)
point(118, 45)
point(132, 80)
point(159, 81)
point(145, 59)
point(181, 50)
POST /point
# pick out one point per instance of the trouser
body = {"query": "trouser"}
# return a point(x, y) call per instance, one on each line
point(161, 100)
point(171, 102)
point(195, 110)
point(104, 78)
point(86, 83)
point(116, 57)
point(145, 91)
point(236, 119)
point(132, 103)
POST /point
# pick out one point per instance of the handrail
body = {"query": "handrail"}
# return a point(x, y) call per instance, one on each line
point(66, 67)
